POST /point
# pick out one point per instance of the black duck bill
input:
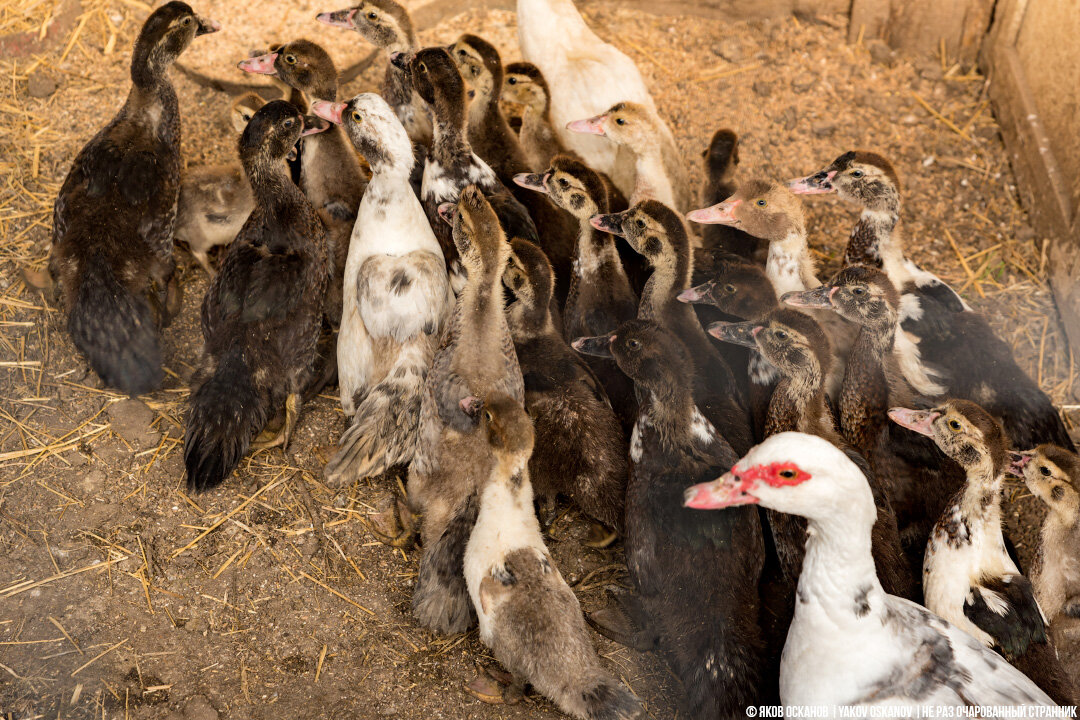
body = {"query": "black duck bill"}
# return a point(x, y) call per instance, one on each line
point(599, 345)
point(612, 223)
point(532, 181)
point(819, 183)
point(817, 299)
point(743, 333)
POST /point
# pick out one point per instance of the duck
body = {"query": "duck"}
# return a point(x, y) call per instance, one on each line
point(851, 643)
point(398, 304)
point(721, 162)
point(581, 450)
point(713, 645)
point(330, 173)
point(968, 576)
point(946, 348)
point(113, 219)
point(1051, 473)
point(601, 296)
point(796, 345)
point(387, 25)
point(451, 164)
point(215, 200)
point(921, 479)
point(659, 173)
point(586, 76)
point(476, 360)
point(524, 87)
point(262, 314)
point(528, 615)
point(492, 139)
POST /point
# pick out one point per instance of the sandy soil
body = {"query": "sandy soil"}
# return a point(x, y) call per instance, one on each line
point(121, 596)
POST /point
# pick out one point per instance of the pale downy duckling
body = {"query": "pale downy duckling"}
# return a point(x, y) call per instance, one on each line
point(386, 24)
point(262, 314)
point(659, 171)
point(477, 360)
point(1051, 474)
point(968, 576)
point(398, 302)
point(704, 624)
point(581, 451)
point(850, 643)
point(215, 200)
point(945, 348)
point(524, 86)
point(528, 615)
point(113, 219)
point(330, 173)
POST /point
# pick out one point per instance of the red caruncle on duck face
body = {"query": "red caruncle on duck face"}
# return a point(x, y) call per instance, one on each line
point(737, 486)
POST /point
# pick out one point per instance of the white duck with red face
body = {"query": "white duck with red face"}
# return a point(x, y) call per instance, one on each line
point(850, 643)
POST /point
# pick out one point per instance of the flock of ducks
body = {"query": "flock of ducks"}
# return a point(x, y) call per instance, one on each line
point(519, 315)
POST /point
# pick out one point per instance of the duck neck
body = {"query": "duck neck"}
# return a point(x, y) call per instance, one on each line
point(798, 404)
point(671, 275)
point(270, 181)
point(980, 500)
point(594, 248)
point(874, 236)
point(670, 409)
point(865, 391)
point(556, 16)
point(789, 266)
point(530, 319)
point(649, 164)
point(838, 574)
point(449, 141)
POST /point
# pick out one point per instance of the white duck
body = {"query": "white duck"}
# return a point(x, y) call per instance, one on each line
point(586, 76)
point(850, 643)
point(396, 303)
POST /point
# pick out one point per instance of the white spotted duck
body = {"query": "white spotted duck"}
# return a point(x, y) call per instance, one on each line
point(113, 219)
point(968, 576)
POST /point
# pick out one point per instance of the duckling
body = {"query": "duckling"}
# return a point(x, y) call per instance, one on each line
point(659, 171)
point(398, 304)
point(524, 87)
point(386, 24)
point(528, 615)
point(657, 232)
point(477, 360)
point(713, 644)
point(1050, 474)
point(850, 643)
point(113, 219)
point(601, 297)
point(493, 140)
point(946, 349)
point(721, 160)
point(795, 344)
point(262, 314)
point(215, 200)
point(330, 174)
point(968, 577)
point(581, 451)
point(451, 164)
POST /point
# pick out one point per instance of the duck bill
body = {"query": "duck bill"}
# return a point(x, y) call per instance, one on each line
point(920, 421)
point(1018, 461)
point(600, 345)
point(329, 111)
point(206, 26)
point(338, 18)
point(589, 126)
point(401, 60)
point(700, 294)
point(313, 125)
point(448, 211)
point(531, 181)
point(819, 183)
point(260, 64)
point(608, 223)
point(719, 214)
point(817, 299)
point(744, 333)
point(726, 491)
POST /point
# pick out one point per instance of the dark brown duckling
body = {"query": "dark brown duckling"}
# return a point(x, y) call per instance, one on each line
point(657, 232)
point(493, 140)
point(524, 86)
point(330, 173)
point(581, 451)
point(113, 220)
point(713, 643)
point(968, 576)
point(451, 164)
point(600, 298)
point(721, 161)
point(262, 314)
point(1052, 474)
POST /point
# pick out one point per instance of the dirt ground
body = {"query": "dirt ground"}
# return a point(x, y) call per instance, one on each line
point(122, 596)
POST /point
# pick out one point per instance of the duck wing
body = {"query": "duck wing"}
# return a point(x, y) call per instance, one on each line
point(1005, 608)
point(403, 296)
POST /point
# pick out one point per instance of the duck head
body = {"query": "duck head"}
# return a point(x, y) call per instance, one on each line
point(571, 184)
point(373, 128)
point(302, 65)
point(165, 34)
point(963, 431)
point(859, 293)
point(859, 176)
point(479, 63)
point(509, 433)
point(478, 236)
point(383, 23)
point(524, 86)
point(1051, 474)
point(646, 353)
point(722, 155)
point(739, 289)
point(626, 123)
point(762, 208)
point(792, 341)
point(436, 79)
point(529, 277)
point(270, 134)
point(243, 109)
point(652, 229)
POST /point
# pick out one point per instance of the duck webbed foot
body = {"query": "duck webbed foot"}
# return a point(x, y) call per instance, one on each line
point(495, 686)
point(269, 438)
point(395, 526)
point(600, 536)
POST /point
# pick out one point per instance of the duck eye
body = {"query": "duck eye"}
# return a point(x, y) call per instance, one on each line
point(858, 291)
point(620, 121)
point(787, 474)
point(640, 223)
point(954, 425)
point(373, 16)
point(564, 183)
point(186, 21)
point(489, 416)
point(729, 288)
point(856, 173)
point(511, 81)
point(761, 202)
point(290, 59)
point(356, 116)
point(633, 344)
point(422, 67)
point(1044, 471)
point(289, 123)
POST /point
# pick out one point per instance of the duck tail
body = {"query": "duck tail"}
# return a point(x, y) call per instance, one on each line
point(609, 699)
point(224, 414)
point(385, 430)
point(115, 329)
